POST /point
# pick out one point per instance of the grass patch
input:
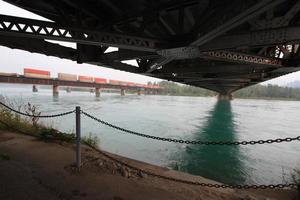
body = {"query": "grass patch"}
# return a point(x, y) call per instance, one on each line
point(10, 121)
point(50, 134)
point(91, 140)
point(4, 157)
point(296, 176)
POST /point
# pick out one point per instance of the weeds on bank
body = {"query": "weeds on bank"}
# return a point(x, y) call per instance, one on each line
point(91, 140)
point(10, 121)
point(296, 176)
point(4, 157)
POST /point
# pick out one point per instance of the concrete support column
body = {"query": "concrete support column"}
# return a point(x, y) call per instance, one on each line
point(227, 97)
point(68, 89)
point(34, 88)
point(97, 92)
point(122, 92)
point(55, 90)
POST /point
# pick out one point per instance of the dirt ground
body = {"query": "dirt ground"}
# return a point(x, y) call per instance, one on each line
point(33, 169)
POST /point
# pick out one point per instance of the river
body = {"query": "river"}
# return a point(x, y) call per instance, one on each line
point(192, 118)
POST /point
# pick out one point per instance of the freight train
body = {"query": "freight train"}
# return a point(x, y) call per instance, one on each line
point(35, 73)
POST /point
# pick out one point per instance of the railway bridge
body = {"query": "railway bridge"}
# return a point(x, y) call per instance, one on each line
point(56, 83)
point(218, 45)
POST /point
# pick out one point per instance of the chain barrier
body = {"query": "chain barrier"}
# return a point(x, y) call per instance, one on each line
point(39, 116)
point(271, 186)
point(211, 185)
point(269, 141)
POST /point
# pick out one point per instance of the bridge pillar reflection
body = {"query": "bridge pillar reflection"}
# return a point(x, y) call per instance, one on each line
point(55, 90)
point(34, 88)
point(122, 92)
point(97, 92)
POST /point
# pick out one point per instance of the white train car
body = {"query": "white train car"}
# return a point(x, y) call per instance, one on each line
point(66, 77)
point(8, 74)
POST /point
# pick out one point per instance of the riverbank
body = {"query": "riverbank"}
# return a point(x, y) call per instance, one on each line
point(33, 169)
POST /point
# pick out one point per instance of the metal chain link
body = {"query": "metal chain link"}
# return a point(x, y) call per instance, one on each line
point(39, 116)
point(271, 186)
point(269, 141)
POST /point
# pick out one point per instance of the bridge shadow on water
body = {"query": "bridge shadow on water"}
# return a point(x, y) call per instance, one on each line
point(220, 163)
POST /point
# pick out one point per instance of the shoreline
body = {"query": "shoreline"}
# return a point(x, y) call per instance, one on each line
point(48, 165)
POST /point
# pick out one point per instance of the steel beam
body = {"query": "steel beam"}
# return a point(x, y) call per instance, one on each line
point(243, 17)
point(252, 12)
point(50, 49)
point(157, 63)
point(21, 27)
point(39, 46)
point(128, 55)
point(194, 52)
point(252, 39)
point(218, 80)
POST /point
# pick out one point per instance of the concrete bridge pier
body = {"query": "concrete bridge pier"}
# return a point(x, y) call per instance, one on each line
point(227, 97)
point(97, 92)
point(34, 88)
point(55, 90)
point(122, 92)
point(68, 89)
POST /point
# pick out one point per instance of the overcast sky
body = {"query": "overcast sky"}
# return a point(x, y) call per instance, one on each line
point(13, 60)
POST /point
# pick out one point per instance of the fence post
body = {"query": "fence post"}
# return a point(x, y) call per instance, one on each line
point(298, 193)
point(78, 138)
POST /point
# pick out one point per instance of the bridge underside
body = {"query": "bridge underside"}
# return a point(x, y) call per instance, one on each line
point(219, 45)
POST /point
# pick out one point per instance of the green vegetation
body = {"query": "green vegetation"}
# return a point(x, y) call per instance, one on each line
point(4, 157)
point(10, 121)
point(91, 140)
point(255, 92)
point(171, 88)
point(268, 91)
point(296, 176)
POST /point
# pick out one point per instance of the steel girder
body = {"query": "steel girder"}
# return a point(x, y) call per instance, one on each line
point(20, 27)
point(214, 49)
point(246, 15)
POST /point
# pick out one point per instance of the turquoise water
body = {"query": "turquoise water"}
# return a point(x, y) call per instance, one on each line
point(193, 118)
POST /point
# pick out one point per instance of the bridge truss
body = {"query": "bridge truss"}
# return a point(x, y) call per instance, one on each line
point(219, 45)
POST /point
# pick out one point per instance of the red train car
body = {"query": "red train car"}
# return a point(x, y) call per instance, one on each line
point(36, 73)
point(100, 80)
point(87, 79)
point(114, 82)
point(130, 84)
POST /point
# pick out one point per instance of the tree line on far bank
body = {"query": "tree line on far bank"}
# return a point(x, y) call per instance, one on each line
point(256, 91)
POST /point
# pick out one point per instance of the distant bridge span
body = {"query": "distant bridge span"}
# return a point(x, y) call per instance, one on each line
point(56, 83)
point(218, 45)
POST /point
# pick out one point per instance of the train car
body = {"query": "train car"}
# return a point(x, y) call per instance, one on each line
point(114, 82)
point(67, 77)
point(139, 85)
point(130, 84)
point(123, 83)
point(8, 74)
point(87, 79)
point(100, 80)
point(154, 86)
point(36, 73)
